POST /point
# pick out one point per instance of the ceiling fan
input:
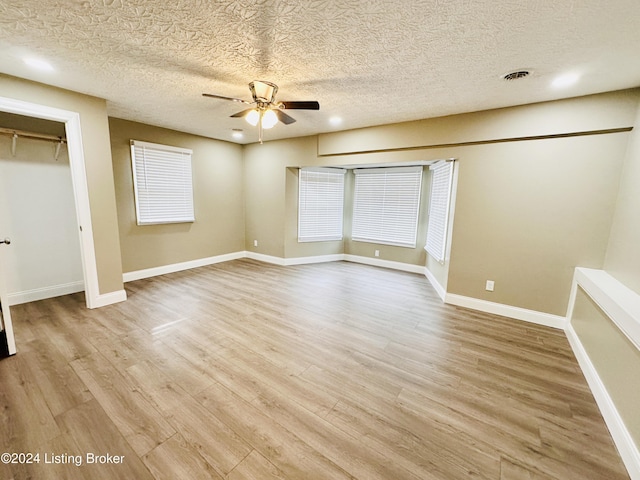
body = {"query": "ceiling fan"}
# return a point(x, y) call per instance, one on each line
point(267, 112)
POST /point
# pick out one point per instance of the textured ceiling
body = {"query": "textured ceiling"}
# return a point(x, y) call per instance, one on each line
point(370, 62)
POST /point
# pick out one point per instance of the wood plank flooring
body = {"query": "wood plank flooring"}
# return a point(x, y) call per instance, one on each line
point(244, 370)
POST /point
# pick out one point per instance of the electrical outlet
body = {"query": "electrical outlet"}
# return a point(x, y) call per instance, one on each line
point(376, 253)
point(255, 243)
point(490, 285)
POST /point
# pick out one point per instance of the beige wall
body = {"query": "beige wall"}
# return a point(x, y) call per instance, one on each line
point(623, 254)
point(528, 213)
point(218, 200)
point(265, 192)
point(97, 154)
point(271, 198)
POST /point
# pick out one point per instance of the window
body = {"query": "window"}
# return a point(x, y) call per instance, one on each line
point(320, 204)
point(441, 181)
point(386, 204)
point(162, 183)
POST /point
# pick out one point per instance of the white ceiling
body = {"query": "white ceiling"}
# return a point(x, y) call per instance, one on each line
point(370, 62)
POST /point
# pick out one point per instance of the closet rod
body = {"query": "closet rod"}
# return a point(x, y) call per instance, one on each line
point(38, 136)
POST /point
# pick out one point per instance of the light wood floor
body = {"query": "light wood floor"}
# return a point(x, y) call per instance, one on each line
point(244, 370)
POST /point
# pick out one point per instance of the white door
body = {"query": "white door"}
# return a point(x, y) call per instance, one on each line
point(6, 328)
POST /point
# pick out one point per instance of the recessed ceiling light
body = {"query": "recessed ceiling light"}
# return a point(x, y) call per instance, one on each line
point(39, 64)
point(335, 120)
point(565, 80)
point(237, 133)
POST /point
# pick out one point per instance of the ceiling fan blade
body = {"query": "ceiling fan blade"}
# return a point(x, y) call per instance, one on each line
point(220, 97)
point(313, 105)
point(284, 118)
point(241, 114)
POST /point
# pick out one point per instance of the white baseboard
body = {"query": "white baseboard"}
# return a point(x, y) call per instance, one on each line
point(105, 299)
point(377, 262)
point(315, 259)
point(261, 257)
point(45, 292)
point(518, 313)
point(178, 267)
point(440, 290)
point(621, 436)
point(405, 267)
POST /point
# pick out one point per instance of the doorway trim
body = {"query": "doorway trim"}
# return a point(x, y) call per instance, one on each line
point(80, 190)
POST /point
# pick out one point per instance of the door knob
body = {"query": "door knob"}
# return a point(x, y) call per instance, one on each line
point(6, 240)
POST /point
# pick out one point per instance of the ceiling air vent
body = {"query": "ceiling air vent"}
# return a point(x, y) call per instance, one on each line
point(517, 75)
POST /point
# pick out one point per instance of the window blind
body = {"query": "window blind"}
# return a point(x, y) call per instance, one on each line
point(386, 205)
point(441, 181)
point(320, 204)
point(162, 183)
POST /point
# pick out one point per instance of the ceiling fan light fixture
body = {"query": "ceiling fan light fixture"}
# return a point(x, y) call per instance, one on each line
point(253, 117)
point(269, 119)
